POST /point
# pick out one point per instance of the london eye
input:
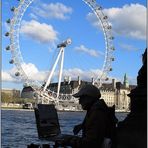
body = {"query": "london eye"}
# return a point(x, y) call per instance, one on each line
point(42, 92)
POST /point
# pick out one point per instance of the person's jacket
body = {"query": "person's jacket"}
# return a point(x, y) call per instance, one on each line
point(95, 128)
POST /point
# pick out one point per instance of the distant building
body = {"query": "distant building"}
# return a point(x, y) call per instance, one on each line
point(116, 93)
point(11, 92)
point(112, 93)
point(27, 92)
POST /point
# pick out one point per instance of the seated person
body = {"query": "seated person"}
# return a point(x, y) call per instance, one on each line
point(97, 125)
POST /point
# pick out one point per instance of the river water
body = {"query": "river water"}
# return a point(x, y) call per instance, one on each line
point(19, 126)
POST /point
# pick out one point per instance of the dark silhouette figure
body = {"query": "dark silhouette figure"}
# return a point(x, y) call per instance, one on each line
point(132, 132)
point(99, 122)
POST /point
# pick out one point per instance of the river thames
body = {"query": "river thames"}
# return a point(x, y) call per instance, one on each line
point(19, 126)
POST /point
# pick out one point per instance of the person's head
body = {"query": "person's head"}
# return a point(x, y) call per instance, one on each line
point(87, 95)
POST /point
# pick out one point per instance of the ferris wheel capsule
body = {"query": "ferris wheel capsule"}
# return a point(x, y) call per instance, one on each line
point(7, 34)
point(13, 9)
point(113, 59)
point(17, 74)
point(68, 41)
point(25, 85)
point(8, 48)
point(11, 61)
point(106, 79)
point(105, 17)
point(98, 8)
point(109, 27)
point(35, 94)
point(8, 21)
point(112, 48)
point(111, 38)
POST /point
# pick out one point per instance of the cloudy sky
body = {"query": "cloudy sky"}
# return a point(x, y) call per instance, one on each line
point(47, 23)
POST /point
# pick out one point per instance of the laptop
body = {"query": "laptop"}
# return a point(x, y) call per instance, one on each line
point(47, 122)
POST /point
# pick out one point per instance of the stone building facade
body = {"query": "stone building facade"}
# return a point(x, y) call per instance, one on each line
point(114, 93)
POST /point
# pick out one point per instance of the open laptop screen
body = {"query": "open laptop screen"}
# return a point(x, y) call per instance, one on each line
point(47, 121)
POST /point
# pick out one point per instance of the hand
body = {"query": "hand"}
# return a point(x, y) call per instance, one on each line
point(77, 128)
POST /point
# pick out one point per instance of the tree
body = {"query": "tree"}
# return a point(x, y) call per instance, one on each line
point(6, 98)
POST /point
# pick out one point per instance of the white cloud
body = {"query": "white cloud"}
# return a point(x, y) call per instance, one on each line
point(33, 16)
point(91, 17)
point(37, 75)
point(128, 47)
point(91, 52)
point(53, 10)
point(34, 74)
point(42, 33)
point(30, 70)
point(83, 74)
point(7, 77)
point(129, 21)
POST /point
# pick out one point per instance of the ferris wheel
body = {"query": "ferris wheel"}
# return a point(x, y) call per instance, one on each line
point(42, 93)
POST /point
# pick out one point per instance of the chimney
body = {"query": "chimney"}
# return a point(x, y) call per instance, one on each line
point(118, 85)
point(69, 79)
point(65, 79)
point(79, 81)
point(92, 81)
point(113, 83)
